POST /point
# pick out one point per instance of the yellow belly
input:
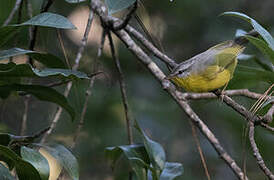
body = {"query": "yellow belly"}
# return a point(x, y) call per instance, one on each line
point(200, 83)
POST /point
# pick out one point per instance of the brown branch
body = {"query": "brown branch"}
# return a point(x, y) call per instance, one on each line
point(256, 152)
point(25, 116)
point(23, 140)
point(122, 88)
point(128, 17)
point(75, 67)
point(147, 44)
point(88, 91)
point(210, 95)
point(268, 117)
point(13, 11)
point(45, 7)
point(197, 142)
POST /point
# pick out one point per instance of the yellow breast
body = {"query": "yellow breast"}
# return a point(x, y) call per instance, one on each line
point(203, 82)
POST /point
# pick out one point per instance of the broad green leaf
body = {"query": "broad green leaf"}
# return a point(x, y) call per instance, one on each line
point(42, 93)
point(48, 19)
point(118, 5)
point(11, 70)
point(75, 1)
point(155, 150)
point(65, 158)
point(261, 30)
point(45, 58)
point(246, 77)
point(135, 154)
point(6, 33)
point(171, 171)
point(26, 171)
point(4, 151)
point(263, 47)
point(5, 174)
point(37, 160)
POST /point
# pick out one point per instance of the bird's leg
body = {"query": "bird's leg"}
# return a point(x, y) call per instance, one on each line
point(223, 92)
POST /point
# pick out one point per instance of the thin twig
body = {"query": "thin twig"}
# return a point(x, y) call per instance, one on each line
point(45, 7)
point(150, 46)
point(256, 152)
point(88, 91)
point(268, 117)
point(197, 142)
point(12, 13)
point(209, 95)
point(122, 88)
point(128, 17)
point(63, 47)
point(25, 116)
point(238, 108)
point(75, 67)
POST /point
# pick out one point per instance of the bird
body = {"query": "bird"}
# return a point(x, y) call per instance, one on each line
point(211, 69)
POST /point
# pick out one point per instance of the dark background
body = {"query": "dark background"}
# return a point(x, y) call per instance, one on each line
point(185, 28)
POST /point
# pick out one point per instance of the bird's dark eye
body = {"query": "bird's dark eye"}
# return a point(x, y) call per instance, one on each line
point(180, 72)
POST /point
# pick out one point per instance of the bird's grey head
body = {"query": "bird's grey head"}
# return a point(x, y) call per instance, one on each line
point(182, 70)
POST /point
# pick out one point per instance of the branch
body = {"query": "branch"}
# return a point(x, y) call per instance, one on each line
point(13, 11)
point(25, 116)
point(19, 140)
point(45, 7)
point(268, 117)
point(75, 67)
point(256, 152)
point(88, 91)
point(210, 95)
point(125, 22)
point(238, 108)
point(122, 88)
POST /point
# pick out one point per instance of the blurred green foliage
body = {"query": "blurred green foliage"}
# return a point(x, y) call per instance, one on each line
point(188, 27)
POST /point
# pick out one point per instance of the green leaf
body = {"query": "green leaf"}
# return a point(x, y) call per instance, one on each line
point(25, 170)
point(118, 5)
point(5, 174)
point(45, 58)
point(9, 154)
point(65, 158)
point(6, 33)
point(75, 1)
point(263, 47)
point(246, 77)
point(155, 150)
point(11, 70)
point(261, 30)
point(171, 171)
point(42, 93)
point(48, 19)
point(135, 154)
point(37, 160)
